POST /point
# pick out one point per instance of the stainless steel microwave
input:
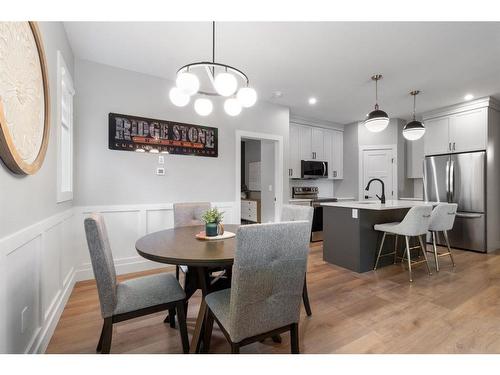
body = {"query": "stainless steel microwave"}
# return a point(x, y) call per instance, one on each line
point(313, 169)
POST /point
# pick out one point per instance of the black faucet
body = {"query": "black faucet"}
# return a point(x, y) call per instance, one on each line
point(382, 198)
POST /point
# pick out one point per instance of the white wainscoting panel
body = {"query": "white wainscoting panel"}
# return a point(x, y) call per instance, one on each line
point(40, 264)
point(125, 225)
point(36, 282)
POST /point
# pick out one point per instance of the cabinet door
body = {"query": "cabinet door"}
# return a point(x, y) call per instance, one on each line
point(338, 156)
point(317, 148)
point(468, 130)
point(328, 151)
point(305, 133)
point(437, 136)
point(294, 161)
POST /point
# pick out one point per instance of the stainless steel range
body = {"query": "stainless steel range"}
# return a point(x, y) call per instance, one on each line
point(309, 195)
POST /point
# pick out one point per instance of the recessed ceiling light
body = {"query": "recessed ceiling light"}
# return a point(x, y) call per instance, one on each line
point(312, 101)
point(277, 94)
point(469, 97)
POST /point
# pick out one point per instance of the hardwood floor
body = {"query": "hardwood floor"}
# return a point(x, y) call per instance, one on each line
point(453, 311)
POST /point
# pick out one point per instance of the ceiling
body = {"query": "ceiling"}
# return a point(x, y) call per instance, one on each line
point(332, 61)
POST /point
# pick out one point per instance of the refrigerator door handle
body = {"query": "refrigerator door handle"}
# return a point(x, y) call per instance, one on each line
point(448, 181)
point(452, 180)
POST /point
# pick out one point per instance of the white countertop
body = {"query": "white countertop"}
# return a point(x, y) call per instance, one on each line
point(376, 205)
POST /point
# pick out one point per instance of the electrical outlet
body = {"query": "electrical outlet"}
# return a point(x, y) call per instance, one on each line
point(270, 187)
point(354, 213)
point(161, 159)
point(160, 171)
point(23, 317)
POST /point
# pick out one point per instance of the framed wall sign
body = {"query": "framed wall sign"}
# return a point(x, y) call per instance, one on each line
point(24, 97)
point(141, 134)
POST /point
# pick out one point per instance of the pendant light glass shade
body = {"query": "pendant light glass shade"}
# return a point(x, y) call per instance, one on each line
point(414, 129)
point(246, 96)
point(232, 107)
point(188, 83)
point(203, 106)
point(377, 120)
point(225, 84)
point(178, 98)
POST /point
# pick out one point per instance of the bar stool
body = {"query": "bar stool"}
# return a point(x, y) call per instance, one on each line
point(442, 220)
point(415, 224)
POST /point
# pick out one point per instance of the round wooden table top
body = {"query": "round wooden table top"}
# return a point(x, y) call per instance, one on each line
point(180, 246)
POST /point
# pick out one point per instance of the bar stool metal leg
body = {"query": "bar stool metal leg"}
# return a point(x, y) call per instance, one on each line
point(425, 255)
point(408, 256)
point(445, 233)
point(434, 242)
point(380, 250)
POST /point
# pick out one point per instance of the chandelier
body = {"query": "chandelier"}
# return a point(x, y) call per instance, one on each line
point(223, 81)
point(377, 120)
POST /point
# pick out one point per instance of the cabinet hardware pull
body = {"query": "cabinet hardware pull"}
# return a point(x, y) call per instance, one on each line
point(453, 146)
point(449, 146)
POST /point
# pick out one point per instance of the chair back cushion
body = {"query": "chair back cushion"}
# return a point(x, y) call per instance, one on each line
point(292, 212)
point(443, 217)
point(102, 263)
point(416, 222)
point(268, 277)
point(189, 214)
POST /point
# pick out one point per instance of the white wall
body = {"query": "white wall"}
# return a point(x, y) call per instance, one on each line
point(267, 180)
point(252, 154)
point(36, 252)
point(105, 177)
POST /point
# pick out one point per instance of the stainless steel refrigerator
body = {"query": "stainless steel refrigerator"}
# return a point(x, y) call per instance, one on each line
point(460, 178)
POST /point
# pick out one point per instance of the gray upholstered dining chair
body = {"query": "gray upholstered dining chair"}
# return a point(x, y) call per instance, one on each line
point(186, 215)
point(293, 213)
point(266, 287)
point(414, 224)
point(131, 298)
point(442, 220)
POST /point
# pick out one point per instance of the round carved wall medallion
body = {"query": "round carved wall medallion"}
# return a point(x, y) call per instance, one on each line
point(24, 97)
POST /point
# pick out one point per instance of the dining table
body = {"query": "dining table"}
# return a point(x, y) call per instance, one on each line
point(180, 246)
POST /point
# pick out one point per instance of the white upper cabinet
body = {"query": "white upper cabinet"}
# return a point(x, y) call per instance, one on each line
point(337, 165)
point(313, 143)
point(294, 160)
point(469, 130)
point(437, 136)
point(317, 147)
point(457, 130)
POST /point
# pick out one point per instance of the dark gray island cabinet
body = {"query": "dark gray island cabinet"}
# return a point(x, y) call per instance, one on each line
point(349, 239)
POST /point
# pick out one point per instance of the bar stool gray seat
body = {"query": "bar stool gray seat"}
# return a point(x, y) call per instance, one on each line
point(415, 224)
point(268, 276)
point(293, 213)
point(442, 220)
point(132, 298)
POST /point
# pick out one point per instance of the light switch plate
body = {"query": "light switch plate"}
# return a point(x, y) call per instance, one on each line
point(354, 213)
point(161, 159)
point(160, 171)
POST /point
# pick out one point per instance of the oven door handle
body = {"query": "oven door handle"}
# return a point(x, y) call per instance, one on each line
point(324, 170)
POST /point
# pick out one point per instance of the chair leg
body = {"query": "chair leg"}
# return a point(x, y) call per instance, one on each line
point(235, 348)
point(408, 256)
point(294, 338)
point(171, 317)
point(207, 335)
point(422, 246)
point(305, 298)
point(445, 233)
point(99, 344)
point(177, 272)
point(107, 335)
point(434, 248)
point(380, 250)
point(181, 317)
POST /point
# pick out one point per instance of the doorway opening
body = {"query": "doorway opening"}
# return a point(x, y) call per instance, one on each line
point(259, 173)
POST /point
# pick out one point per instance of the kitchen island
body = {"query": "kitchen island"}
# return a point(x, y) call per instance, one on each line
point(349, 239)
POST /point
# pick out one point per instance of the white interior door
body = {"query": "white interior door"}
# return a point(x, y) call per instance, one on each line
point(377, 163)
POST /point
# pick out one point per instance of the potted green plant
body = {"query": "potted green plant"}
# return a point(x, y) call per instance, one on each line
point(213, 222)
